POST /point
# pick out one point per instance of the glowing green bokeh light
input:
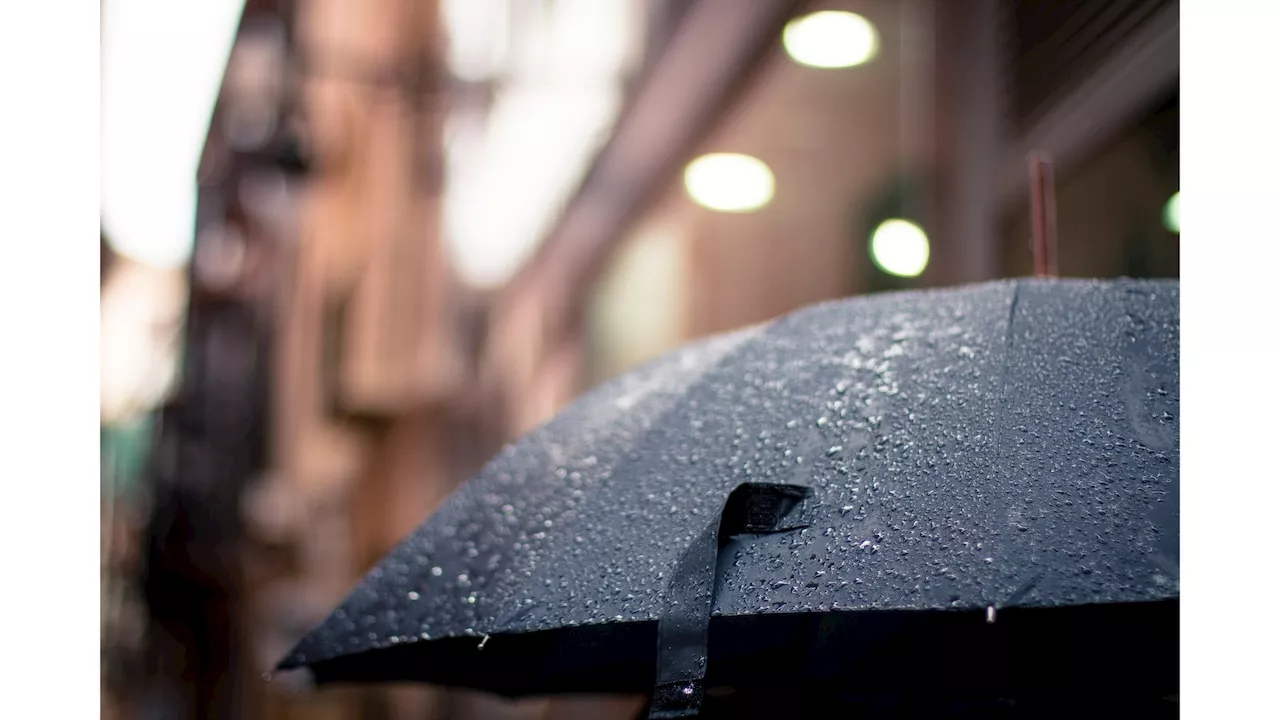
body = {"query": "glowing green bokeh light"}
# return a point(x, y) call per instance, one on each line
point(900, 247)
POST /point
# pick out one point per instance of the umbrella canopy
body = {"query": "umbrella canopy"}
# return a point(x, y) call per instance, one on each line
point(969, 488)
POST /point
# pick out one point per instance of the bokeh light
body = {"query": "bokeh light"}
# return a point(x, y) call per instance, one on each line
point(729, 182)
point(830, 39)
point(900, 247)
point(158, 94)
point(1172, 215)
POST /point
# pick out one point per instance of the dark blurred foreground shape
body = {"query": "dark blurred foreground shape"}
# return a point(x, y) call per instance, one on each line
point(340, 378)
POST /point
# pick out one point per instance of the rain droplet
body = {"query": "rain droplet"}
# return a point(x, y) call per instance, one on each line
point(437, 571)
point(413, 595)
point(822, 421)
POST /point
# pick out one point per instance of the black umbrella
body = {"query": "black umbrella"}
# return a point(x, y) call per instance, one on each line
point(949, 498)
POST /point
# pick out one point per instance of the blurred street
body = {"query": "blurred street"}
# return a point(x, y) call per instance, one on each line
point(351, 248)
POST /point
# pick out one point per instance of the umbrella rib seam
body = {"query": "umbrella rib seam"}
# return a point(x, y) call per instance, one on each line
point(1004, 448)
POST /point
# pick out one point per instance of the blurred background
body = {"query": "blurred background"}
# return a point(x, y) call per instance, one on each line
point(352, 247)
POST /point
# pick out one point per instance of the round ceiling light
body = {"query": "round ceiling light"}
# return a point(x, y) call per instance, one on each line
point(900, 247)
point(830, 39)
point(729, 182)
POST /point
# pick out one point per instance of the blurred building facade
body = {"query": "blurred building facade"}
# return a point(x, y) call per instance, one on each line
point(424, 226)
point(935, 128)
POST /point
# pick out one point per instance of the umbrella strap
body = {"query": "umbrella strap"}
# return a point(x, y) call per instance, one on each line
point(751, 509)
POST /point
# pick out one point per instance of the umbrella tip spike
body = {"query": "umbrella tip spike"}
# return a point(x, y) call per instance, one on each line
point(1044, 214)
point(483, 642)
point(991, 614)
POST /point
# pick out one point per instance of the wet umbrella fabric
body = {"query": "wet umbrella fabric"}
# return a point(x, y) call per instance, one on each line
point(907, 468)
